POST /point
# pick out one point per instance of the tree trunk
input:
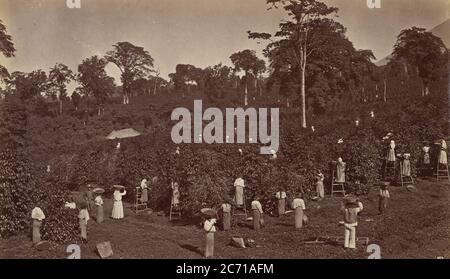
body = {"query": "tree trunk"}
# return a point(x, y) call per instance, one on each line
point(154, 89)
point(287, 102)
point(384, 93)
point(260, 89)
point(303, 94)
point(246, 91)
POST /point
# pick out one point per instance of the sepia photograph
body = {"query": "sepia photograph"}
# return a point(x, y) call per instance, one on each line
point(250, 130)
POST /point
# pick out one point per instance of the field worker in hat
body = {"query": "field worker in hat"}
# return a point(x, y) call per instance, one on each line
point(298, 204)
point(239, 192)
point(443, 153)
point(351, 207)
point(319, 186)
point(426, 162)
point(391, 152)
point(89, 197)
point(406, 165)
point(209, 228)
point(340, 171)
point(226, 216)
point(117, 211)
point(100, 211)
point(258, 219)
point(175, 194)
point(83, 217)
point(281, 198)
point(144, 188)
point(38, 216)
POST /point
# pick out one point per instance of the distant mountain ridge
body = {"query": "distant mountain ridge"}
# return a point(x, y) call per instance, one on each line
point(442, 31)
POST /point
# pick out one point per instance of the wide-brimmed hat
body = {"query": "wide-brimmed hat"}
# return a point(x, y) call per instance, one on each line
point(208, 212)
point(119, 187)
point(350, 201)
point(98, 191)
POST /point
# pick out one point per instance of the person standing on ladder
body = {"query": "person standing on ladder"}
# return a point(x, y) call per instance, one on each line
point(443, 153)
point(239, 185)
point(281, 197)
point(175, 194)
point(144, 188)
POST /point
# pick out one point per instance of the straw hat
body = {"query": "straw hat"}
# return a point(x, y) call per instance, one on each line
point(98, 190)
point(119, 187)
point(208, 212)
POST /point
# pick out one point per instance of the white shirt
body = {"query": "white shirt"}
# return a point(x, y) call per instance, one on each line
point(98, 201)
point(226, 207)
point(384, 193)
point(144, 183)
point(257, 205)
point(70, 205)
point(37, 214)
point(208, 225)
point(84, 214)
point(118, 195)
point(239, 182)
point(298, 203)
point(280, 195)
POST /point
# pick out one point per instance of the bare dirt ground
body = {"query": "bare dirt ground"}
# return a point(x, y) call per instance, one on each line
point(417, 225)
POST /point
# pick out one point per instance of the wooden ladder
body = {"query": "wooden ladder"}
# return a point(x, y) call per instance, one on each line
point(405, 180)
point(336, 184)
point(442, 172)
point(175, 211)
point(241, 211)
point(139, 206)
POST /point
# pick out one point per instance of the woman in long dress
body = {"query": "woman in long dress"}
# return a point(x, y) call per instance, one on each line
point(100, 211)
point(175, 194)
point(226, 216)
point(406, 165)
point(391, 152)
point(298, 204)
point(144, 187)
point(38, 216)
point(117, 211)
point(239, 192)
point(443, 153)
point(257, 215)
point(83, 217)
point(340, 171)
point(209, 228)
point(319, 186)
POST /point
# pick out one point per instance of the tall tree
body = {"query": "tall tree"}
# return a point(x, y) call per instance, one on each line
point(6, 48)
point(94, 80)
point(246, 61)
point(295, 38)
point(134, 62)
point(58, 77)
point(28, 85)
point(423, 51)
point(258, 69)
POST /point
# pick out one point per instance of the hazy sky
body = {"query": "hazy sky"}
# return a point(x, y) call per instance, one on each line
point(198, 32)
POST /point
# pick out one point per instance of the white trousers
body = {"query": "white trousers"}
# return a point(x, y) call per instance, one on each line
point(350, 236)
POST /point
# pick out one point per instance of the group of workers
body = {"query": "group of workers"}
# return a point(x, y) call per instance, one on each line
point(351, 205)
